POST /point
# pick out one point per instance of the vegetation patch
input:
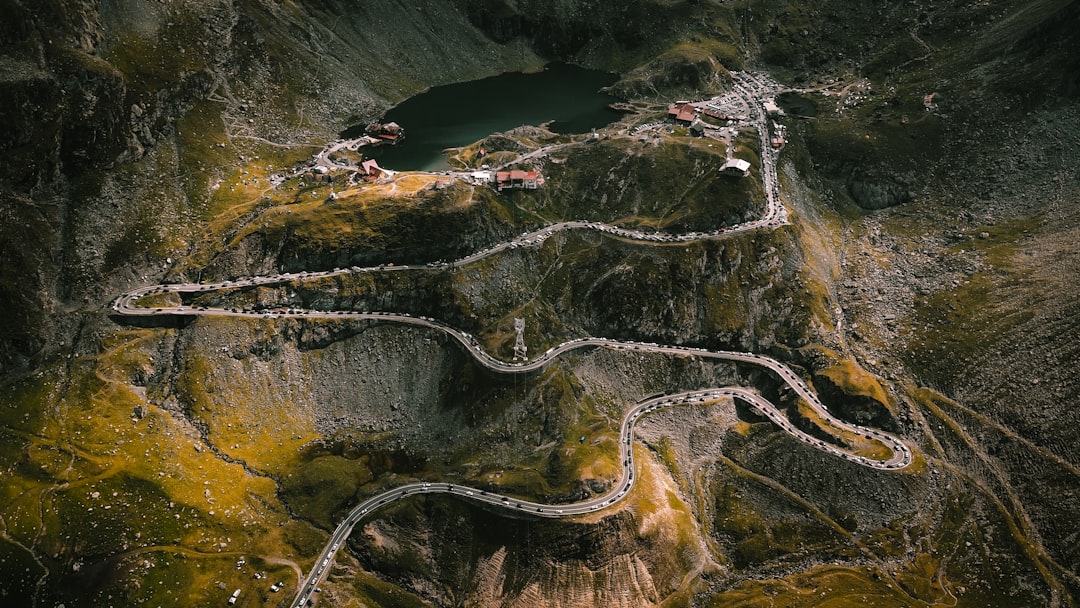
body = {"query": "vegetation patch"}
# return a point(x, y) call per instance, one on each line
point(757, 527)
point(832, 586)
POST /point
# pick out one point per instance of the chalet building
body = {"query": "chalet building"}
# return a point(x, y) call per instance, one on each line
point(370, 170)
point(482, 178)
point(682, 114)
point(390, 132)
point(736, 167)
point(714, 114)
point(517, 179)
point(698, 127)
point(779, 135)
point(319, 175)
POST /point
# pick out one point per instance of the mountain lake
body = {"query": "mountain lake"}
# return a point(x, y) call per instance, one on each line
point(459, 114)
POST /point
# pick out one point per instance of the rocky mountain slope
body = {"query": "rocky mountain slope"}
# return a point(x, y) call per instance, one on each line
point(927, 285)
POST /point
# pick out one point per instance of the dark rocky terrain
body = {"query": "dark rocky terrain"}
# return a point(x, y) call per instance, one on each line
point(927, 285)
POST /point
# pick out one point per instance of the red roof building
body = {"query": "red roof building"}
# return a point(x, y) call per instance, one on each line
point(371, 169)
point(682, 113)
point(390, 131)
point(714, 114)
point(517, 179)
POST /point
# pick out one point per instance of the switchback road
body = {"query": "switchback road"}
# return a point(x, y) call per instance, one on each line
point(752, 90)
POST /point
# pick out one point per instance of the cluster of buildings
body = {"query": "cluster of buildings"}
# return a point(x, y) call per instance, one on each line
point(390, 132)
point(682, 113)
point(515, 179)
point(779, 134)
point(369, 171)
point(318, 174)
point(687, 114)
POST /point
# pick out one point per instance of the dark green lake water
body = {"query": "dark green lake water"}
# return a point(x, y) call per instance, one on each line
point(458, 114)
point(797, 105)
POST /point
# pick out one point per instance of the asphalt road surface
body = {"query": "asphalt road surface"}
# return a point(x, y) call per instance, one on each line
point(752, 90)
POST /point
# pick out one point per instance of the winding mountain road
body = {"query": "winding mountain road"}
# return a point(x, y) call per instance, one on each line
point(752, 89)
